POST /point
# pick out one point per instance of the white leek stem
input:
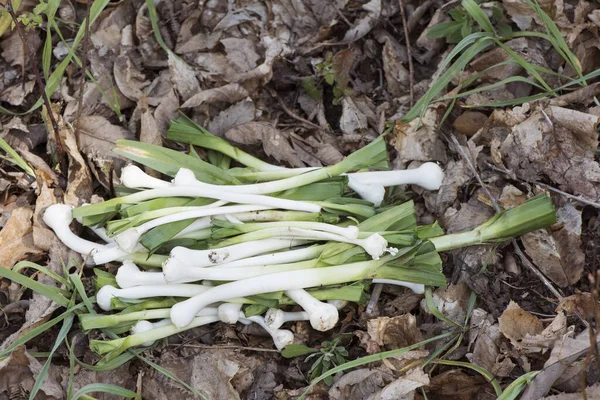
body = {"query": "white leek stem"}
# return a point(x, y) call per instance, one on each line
point(418, 288)
point(128, 239)
point(145, 326)
point(196, 191)
point(133, 177)
point(181, 313)
point(229, 312)
point(205, 258)
point(281, 337)
point(129, 275)
point(323, 316)
point(58, 217)
point(275, 318)
point(107, 292)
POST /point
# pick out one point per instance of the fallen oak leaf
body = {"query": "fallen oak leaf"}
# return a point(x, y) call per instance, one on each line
point(230, 93)
point(16, 238)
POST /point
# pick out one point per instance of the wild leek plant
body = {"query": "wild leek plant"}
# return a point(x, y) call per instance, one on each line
point(208, 241)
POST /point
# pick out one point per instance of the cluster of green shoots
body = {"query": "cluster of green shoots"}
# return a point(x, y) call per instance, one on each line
point(257, 243)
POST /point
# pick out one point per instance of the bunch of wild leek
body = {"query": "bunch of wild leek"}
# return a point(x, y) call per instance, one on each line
point(231, 244)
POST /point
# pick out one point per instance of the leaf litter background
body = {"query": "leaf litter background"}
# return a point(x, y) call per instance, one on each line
point(249, 72)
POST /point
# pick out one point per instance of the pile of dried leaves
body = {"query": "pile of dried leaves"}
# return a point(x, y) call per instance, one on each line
point(303, 83)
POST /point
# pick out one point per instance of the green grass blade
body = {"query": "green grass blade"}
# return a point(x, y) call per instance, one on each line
point(478, 15)
point(513, 390)
point(62, 334)
point(38, 330)
point(373, 358)
point(435, 311)
point(27, 264)
point(169, 161)
point(105, 388)
point(15, 158)
point(50, 292)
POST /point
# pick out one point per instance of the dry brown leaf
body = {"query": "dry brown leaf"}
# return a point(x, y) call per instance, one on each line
point(198, 42)
point(451, 301)
point(19, 371)
point(16, 94)
point(359, 384)
point(149, 132)
point(183, 77)
point(537, 148)
point(238, 114)
point(583, 304)
point(352, 119)
point(365, 24)
point(129, 79)
point(511, 197)
point(396, 75)
point(391, 333)
point(457, 385)
point(219, 374)
point(583, 125)
point(485, 337)
point(419, 139)
point(557, 251)
point(274, 142)
point(16, 238)
point(523, 14)
point(591, 392)
point(565, 352)
point(404, 387)
point(231, 93)
point(516, 323)
point(13, 50)
point(241, 53)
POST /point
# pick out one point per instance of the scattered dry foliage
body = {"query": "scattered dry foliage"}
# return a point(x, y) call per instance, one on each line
point(303, 83)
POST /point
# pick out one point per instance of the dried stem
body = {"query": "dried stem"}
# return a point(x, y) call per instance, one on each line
point(36, 71)
point(409, 54)
point(86, 41)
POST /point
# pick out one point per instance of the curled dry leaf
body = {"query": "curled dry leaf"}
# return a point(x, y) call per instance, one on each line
point(457, 385)
point(274, 142)
point(526, 331)
point(557, 251)
point(12, 47)
point(419, 139)
point(16, 94)
point(129, 79)
point(97, 137)
point(387, 333)
point(360, 384)
point(469, 122)
point(231, 93)
point(404, 387)
point(365, 24)
point(16, 238)
point(591, 392)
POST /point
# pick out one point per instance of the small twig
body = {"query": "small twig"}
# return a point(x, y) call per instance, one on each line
point(409, 54)
point(86, 41)
point(375, 294)
point(535, 270)
point(216, 347)
point(467, 159)
point(293, 114)
point(36, 71)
